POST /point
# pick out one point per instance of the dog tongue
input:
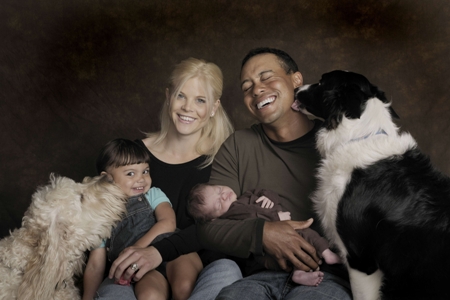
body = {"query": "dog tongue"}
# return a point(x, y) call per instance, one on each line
point(296, 105)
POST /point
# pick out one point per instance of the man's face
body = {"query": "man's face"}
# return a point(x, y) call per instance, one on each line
point(268, 90)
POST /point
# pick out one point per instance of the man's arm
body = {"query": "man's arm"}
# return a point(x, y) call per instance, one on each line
point(225, 168)
point(240, 238)
point(232, 237)
point(237, 238)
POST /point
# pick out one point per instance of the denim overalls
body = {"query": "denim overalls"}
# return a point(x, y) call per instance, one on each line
point(138, 220)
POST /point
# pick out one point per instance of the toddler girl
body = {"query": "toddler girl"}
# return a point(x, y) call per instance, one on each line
point(149, 218)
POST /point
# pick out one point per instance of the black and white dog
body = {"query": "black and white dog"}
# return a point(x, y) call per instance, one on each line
point(379, 200)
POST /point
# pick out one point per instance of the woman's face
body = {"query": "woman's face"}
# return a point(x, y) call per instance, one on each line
point(190, 110)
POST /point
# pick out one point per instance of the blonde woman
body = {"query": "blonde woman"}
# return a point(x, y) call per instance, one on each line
point(193, 127)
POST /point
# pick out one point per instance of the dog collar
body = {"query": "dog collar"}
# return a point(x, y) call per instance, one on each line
point(380, 131)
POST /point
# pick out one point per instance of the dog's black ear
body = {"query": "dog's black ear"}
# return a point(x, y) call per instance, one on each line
point(394, 115)
point(348, 100)
point(353, 101)
point(381, 95)
point(333, 121)
point(376, 92)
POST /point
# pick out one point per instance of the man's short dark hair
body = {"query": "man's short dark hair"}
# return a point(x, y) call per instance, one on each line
point(286, 62)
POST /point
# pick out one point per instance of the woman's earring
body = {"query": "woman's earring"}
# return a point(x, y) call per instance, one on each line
point(212, 114)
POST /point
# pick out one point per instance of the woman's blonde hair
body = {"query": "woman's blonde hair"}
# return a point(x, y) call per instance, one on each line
point(219, 126)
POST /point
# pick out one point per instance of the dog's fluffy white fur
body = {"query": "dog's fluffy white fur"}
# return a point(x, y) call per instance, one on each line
point(65, 218)
point(379, 199)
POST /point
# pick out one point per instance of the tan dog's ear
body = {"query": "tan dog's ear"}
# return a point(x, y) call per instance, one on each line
point(45, 271)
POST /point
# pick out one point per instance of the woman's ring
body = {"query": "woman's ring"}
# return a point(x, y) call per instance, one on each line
point(134, 267)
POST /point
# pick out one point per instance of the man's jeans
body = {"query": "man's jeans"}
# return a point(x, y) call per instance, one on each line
point(278, 285)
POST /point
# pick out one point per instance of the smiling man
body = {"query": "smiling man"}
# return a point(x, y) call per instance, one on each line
point(279, 154)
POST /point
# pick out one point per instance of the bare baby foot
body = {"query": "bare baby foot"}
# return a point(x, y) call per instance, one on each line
point(307, 278)
point(330, 257)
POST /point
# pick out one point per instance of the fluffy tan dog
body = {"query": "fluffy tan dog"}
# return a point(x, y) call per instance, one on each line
point(65, 218)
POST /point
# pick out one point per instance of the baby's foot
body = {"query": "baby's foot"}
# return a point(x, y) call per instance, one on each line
point(307, 278)
point(330, 257)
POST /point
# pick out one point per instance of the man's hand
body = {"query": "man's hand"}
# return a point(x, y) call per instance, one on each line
point(284, 244)
point(146, 259)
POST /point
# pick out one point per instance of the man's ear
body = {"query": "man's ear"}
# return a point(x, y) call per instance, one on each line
point(297, 79)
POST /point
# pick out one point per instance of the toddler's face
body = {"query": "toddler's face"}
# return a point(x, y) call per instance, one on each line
point(132, 179)
point(218, 200)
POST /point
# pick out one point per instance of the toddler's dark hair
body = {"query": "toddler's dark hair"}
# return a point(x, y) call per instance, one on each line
point(196, 202)
point(121, 152)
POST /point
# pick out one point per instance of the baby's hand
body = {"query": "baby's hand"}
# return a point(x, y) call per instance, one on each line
point(284, 215)
point(266, 202)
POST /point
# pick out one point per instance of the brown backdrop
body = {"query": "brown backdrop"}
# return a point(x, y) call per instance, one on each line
point(75, 74)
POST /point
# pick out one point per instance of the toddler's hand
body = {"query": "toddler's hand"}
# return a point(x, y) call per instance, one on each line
point(266, 202)
point(122, 281)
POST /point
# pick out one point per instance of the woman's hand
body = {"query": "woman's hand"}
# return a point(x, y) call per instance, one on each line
point(146, 259)
point(284, 244)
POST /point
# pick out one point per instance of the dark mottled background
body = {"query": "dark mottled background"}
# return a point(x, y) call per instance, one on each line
point(77, 73)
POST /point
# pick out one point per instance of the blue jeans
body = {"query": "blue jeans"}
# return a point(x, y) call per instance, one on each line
point(214, 277)
point(211, 280)
point(278, 285)
point(108, 290)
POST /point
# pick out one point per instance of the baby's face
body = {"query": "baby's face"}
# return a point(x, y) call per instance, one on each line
point(218, 199)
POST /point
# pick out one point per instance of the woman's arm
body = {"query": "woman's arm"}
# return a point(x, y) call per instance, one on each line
point(179, 243)
point(93, 275)
point(165, 222)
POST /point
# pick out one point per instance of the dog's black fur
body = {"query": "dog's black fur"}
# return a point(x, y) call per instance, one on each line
point(394, 214)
